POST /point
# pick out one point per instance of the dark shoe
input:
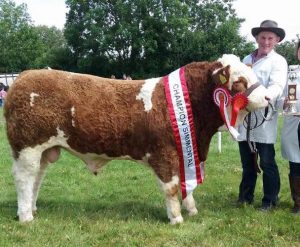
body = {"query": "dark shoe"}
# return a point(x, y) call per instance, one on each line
point(275, 203)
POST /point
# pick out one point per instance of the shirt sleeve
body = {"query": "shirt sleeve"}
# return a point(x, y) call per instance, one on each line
point(278, 79)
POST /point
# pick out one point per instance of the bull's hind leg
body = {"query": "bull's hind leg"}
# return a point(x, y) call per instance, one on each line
point(25, 171)
point(190, 205)
point(49, 156)
point(172, 202)
point(37, 184)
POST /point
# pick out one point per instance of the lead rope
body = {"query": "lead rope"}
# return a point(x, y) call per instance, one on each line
point(265, 118)
point(252, 146)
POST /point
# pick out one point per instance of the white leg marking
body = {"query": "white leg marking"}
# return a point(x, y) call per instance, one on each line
point(28, 176)
point(37, 184)
point(25, 170)
point(189, 204)
point(173, 205)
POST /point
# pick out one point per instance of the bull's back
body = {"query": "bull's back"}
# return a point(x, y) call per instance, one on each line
point(95, 114)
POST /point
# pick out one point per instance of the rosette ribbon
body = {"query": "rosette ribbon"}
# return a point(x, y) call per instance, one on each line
point(223, 99)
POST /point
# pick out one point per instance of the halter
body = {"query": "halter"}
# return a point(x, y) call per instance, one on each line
point(239, 101)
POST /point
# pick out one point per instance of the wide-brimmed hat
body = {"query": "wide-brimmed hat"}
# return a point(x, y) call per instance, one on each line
point(269, 26)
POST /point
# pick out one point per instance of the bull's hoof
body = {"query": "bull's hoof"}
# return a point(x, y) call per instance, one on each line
point(176, 220)
point(23, 218)
point(193, 212)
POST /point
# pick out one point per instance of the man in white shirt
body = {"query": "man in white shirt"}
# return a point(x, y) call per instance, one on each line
point(290, 138)
point(271, 70)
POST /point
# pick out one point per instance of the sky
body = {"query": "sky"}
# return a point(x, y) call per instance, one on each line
point(285, 13)
point(46, 12)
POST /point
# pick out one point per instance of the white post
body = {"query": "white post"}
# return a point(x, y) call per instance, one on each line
point(219, 141)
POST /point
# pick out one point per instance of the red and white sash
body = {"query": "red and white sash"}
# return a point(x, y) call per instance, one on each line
point(191, 170)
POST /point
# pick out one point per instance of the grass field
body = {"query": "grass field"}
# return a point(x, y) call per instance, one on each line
point(123, 206)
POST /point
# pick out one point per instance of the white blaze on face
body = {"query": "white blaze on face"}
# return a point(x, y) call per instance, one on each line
point(32, 96)
point(238, 69)
point(146, 93)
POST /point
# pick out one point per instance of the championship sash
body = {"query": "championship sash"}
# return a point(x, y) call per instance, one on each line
point(179, 105)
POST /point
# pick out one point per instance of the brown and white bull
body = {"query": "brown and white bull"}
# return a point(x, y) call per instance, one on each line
point(99, 119)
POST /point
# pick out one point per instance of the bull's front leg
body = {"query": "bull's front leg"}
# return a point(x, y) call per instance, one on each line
point(190, 205)
point(172, 202)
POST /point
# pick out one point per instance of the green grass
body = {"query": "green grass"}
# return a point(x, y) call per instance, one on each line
point(123, 206)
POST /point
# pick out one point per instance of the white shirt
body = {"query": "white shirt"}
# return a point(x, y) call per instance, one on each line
point(290, 149)
point(271, 72)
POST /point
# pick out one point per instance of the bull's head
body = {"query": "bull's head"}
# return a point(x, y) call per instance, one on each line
point(237, 91)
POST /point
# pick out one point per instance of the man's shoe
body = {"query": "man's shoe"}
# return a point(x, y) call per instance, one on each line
point(275, 203)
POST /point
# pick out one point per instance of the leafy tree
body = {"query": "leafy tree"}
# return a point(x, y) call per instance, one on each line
point(150, 37)
point(24, 46)
point(19, 42)
point(288, 50)
point(54, 52)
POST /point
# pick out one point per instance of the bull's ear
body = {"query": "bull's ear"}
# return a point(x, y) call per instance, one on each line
point(221, 76)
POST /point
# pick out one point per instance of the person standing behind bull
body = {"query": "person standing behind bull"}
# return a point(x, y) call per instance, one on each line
point(271, 71)
point(2, 94)
point(290, 144)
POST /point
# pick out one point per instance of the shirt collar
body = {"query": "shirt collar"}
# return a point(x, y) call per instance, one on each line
point(253, 56)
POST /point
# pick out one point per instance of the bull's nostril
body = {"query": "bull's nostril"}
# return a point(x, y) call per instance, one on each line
point(267, 98)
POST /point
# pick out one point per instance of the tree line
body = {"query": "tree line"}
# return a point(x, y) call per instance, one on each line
point(143, 38)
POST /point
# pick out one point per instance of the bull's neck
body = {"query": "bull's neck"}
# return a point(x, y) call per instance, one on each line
point(206, 114)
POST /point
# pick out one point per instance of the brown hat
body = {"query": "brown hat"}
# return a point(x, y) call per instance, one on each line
point(269, 26)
